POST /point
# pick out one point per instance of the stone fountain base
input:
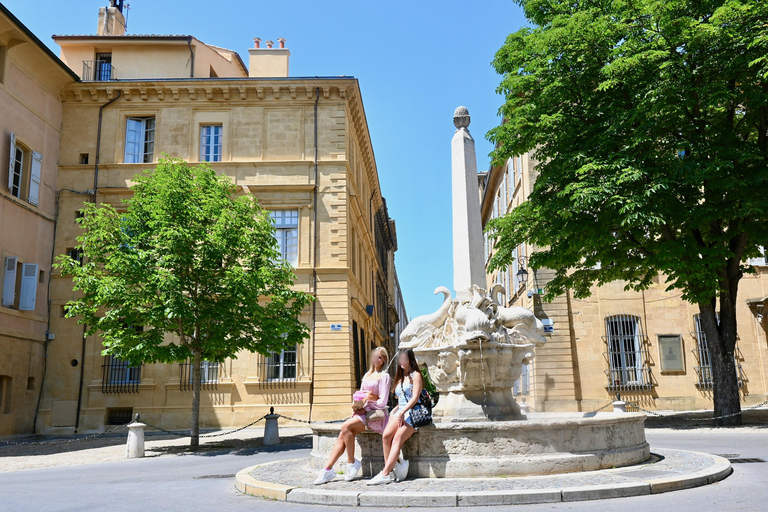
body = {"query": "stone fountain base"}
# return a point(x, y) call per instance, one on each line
point(548, 444)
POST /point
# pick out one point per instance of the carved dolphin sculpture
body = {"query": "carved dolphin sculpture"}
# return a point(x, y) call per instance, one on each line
point(411, 335)
point(523, 325)
point(475, 321)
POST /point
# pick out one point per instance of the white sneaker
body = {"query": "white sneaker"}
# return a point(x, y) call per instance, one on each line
point(381, 479)
point(401, 470)
point(325, 476)
point(352, 470)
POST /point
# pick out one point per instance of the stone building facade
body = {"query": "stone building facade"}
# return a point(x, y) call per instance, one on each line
point(30, 130)
point(300, 146)
point(647, 346)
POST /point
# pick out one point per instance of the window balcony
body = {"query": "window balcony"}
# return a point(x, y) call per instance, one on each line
point(98, 71)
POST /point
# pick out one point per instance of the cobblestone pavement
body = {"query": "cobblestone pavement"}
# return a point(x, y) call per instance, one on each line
point(112, 447)
point(667, 463)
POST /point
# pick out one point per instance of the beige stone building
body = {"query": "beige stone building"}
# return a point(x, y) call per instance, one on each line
point(30, 129)
point(647, 346)
point(301, 146)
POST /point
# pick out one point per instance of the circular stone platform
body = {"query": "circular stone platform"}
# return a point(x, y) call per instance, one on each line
point(543, 444)
point(666, 470)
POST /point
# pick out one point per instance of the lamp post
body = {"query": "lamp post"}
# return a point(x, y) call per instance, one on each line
point(522, 274)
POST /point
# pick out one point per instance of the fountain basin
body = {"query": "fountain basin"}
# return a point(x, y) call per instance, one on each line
point(540, 445)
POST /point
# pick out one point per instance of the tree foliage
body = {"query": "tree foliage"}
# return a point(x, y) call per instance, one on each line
point(186, 257)
point(649, 120)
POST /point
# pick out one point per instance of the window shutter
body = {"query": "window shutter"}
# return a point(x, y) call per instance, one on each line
point(28, 287)
point(9, 281)
point(10, 162)
point(34, 177)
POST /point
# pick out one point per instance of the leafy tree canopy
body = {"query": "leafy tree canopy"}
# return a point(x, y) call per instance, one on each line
point(188, 257)
point(649, 119)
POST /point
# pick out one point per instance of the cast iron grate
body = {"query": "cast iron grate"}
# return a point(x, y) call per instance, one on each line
point(213, 476)
point(746, 460)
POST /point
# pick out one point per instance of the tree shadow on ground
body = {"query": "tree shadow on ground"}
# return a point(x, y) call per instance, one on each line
point(72, 444)
point(693, 420)
point(236, 447)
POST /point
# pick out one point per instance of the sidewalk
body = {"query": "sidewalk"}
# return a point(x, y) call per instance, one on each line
point(112, 447)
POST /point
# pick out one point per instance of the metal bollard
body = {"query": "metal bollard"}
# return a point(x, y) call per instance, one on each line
point(134, 449)
point(619, 406)
point(271, 432)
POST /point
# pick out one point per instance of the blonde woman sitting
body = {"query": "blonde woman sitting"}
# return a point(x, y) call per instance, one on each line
point(369, 413)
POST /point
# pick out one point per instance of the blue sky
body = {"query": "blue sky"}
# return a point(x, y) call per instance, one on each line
point(416, 62)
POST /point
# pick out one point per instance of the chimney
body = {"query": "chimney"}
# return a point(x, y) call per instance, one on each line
point(268, 62)
point(111, 19)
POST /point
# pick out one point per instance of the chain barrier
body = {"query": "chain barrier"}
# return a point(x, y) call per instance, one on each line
point(294, 419)
point(601, 408)
point(217, 434)
point(675, 416)
point(62, 441)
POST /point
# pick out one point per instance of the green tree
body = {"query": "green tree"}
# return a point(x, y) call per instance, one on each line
point(650, 122)
point(189, 258)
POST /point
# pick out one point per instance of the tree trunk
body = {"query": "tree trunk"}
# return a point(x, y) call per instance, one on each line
point(194, 440)
point(721, 342)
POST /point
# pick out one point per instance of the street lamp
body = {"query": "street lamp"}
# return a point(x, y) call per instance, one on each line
point(522, 274)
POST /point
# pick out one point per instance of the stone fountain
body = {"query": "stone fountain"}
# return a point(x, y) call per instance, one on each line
point(474, 349)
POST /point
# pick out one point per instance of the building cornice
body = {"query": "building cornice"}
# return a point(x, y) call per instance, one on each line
point(202, 90)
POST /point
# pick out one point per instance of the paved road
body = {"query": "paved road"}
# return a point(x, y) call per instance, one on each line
point(174, 483)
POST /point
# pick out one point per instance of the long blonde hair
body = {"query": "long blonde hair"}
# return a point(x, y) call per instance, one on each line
point(383, 353)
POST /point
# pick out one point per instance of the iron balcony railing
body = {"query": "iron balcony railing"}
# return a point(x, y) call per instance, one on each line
point(626, 354)
point(119, 376)
point(98, 71)
point(280, 369)
point(209, 373)
point(704, 367)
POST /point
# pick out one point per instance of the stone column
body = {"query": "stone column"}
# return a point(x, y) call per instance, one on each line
point(468, 251)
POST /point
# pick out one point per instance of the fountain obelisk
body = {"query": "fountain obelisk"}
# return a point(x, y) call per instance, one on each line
point(468, 252)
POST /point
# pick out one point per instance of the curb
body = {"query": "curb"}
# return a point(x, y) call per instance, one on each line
point(245, 483)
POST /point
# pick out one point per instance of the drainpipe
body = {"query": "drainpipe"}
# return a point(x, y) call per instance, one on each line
point(191, 58)
point(98, 144)
point(314, 263)
point(95, 190)
point(50, 303)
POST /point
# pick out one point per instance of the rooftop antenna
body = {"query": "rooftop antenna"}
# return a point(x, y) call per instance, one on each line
point(125, 15)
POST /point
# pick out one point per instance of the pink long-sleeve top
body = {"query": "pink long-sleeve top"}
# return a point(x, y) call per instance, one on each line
point(379, 387)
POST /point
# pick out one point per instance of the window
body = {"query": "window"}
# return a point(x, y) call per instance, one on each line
point(701, 352)
point(139, 140)
point(119, 415)
point(30, 383)
point(626, 354)
point(209, 375)
point(119, 376)
point(84, 158)
point(282, 365)
point(287, 234)
point(24, 172)
point(209, 372)
point(19, 284)
point(16, 170)
point(76, 253)
point(5, 394)
point(103, 66)
point(210, 143)
point(761, 260)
